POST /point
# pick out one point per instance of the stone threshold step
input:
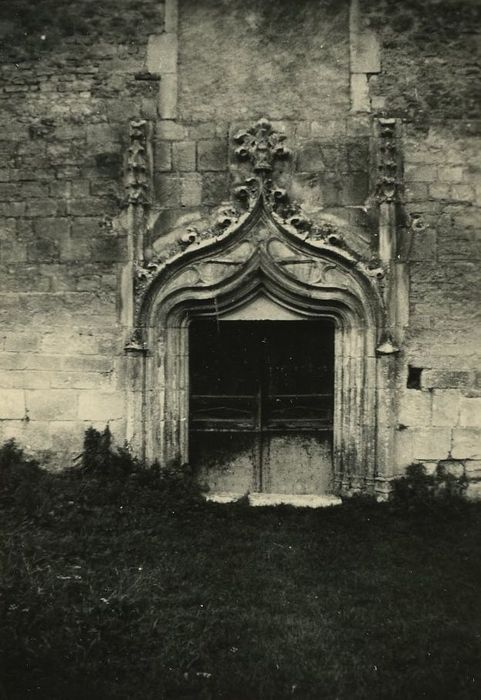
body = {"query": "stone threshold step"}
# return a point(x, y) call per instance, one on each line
point(277, 499)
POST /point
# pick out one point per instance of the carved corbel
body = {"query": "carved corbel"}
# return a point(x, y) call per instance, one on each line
point(387, 346)
point(135, 344)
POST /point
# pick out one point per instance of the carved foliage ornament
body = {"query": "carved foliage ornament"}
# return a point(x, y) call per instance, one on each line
point(388, 183)
point(261, 144)
point(137, 177)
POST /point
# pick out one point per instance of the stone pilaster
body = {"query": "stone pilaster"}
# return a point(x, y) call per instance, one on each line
point(364, 58)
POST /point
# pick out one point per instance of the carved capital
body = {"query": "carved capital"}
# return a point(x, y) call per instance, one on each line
point(261, 145)
point(387, 347)
point(135, 345)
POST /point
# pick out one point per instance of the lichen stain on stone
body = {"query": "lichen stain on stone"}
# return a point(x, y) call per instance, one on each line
point(262, 59)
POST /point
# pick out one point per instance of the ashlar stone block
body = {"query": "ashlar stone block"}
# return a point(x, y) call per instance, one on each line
point(431, 443)
point(52, 405)
point(97, 406)
point(212, 154)
point(415, 409)
point(360, 101)
point(473, 469)
point(215, 188)
point(445, 379)
point(452, 173)
point(191, 192)
point(421, 173)
point(67, 436)
point(12, 404)
point(466, 443)
point(168, 190)
point(162, 53)
point(162, 156)
point(470, 412)
point(183, 155)
point(33, 436)
point(18, 379)
point(404, 449)
point(169, 129)
point(12, 360)
point(79, 380)
point(365, 52)
point(42, 207)
point(168, 94)
point(313, 157)
point(446, 406)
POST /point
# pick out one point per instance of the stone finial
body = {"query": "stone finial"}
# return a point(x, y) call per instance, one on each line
point(261, 144)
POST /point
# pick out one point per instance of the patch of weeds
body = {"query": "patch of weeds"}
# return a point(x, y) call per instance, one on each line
point(418, 489)
point(121, 582)
point(360, 501)
point(130, 478)
point(101, 459)
point(21, 479)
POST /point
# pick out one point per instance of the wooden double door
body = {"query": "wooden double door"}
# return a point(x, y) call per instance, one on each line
point(261, 405)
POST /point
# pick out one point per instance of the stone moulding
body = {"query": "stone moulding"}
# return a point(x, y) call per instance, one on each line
point(261, 244)
point(229, 220)
point(261, 254)
point(138, 183)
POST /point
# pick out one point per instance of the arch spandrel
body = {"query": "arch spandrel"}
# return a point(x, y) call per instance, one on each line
point(260, 243)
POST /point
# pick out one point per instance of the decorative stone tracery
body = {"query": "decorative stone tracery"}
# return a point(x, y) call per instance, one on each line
point(263, 245)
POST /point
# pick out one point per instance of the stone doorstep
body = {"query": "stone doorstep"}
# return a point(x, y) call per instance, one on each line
point(277, 499)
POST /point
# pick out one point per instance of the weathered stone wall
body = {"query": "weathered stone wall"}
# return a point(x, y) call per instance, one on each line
point(431, 79)
point(69, 83)
point(238, 61)
point(322, 71)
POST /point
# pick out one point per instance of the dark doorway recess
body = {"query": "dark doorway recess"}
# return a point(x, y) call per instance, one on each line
point(262, 404)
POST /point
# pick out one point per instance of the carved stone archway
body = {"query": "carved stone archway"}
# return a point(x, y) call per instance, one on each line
point(263, 245)
point(261, 256)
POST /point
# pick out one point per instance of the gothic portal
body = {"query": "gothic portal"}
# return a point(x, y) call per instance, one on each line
point(262, 352)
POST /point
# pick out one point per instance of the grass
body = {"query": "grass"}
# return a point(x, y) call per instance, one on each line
point(132, 587)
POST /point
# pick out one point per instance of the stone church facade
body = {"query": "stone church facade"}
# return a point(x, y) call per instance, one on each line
point(245, 234)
